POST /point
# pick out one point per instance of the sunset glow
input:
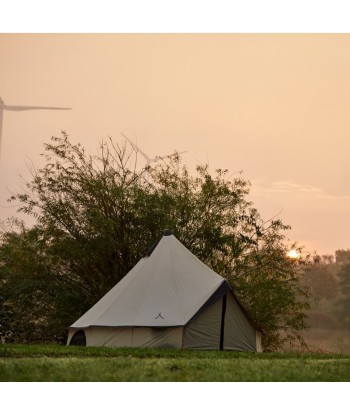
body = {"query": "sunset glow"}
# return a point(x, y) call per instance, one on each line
point(294, 254)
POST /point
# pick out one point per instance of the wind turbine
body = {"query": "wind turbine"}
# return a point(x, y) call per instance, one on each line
point(147, 158)
point(3, 107)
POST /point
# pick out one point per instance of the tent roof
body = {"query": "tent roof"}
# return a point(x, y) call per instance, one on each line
point(164, 289)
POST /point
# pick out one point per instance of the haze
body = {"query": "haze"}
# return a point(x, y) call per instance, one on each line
point(275, 106)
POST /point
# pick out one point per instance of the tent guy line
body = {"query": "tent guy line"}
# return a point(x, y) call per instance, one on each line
point(4, 106)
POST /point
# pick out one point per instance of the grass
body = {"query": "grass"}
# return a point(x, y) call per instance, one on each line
point(53, 363)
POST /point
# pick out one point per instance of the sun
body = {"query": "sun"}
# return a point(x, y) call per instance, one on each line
point(294, 254)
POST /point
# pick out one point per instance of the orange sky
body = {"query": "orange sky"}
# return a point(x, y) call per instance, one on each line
point(274, 106)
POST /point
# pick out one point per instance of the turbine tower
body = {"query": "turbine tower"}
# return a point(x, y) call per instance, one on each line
point(3, 107)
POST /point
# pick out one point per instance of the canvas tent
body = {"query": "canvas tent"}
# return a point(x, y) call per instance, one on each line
point(169, 299)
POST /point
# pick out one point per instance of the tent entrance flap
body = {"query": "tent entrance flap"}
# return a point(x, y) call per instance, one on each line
point(223, 289)
point(203, 331)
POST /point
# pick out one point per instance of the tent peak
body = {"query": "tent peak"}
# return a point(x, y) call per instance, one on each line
point(153, 247)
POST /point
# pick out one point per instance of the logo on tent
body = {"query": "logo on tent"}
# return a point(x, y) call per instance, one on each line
point(159, 315)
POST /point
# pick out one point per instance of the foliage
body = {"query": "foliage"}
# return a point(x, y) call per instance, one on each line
point(38, 296)
point(342, 256)
point(97, 215)
point(322, 281)
point(329, 312)
point(344, 302)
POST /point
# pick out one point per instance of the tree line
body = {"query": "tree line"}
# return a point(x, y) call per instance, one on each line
point(96, 216)
point(328, 279)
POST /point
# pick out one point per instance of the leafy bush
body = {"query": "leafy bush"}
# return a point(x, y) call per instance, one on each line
point(97, 215)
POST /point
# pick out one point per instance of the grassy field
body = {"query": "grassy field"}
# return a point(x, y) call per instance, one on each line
point(25, 363)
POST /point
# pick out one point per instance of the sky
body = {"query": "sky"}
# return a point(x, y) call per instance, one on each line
point(275, 106)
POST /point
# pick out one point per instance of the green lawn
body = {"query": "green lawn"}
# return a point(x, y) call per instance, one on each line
point(60, 363)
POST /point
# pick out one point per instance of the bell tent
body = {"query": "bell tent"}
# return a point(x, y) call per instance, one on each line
point(169, 299)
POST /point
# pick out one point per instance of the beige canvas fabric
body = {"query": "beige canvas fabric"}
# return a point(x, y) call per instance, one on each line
point(163, 302)
point(165, 289)
point(203, 332)
point(132, 337)
point(239, 332)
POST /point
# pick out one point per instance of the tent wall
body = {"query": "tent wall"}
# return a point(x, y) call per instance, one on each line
point(239, 334)
point(132, 337)
point(157, 337)
point(109, 336)
point(203, 331)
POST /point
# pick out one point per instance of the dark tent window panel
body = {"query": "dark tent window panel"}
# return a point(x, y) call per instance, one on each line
point(78, 339)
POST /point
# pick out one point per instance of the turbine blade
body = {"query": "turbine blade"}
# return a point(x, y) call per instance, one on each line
point(173, 154)
point(26, 108)
point(138, 149)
